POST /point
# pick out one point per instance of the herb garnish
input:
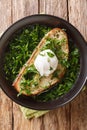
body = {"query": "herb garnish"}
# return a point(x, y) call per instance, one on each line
point(30, 72)
point(67, 82)
point(51, 68)
point(28, 79)
point(50, 54)
point(20, 49)
point(55, 45)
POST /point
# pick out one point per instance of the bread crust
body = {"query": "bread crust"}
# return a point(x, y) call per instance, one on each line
point(51, 34)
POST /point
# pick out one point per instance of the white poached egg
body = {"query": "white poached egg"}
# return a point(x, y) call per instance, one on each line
point(46, 62)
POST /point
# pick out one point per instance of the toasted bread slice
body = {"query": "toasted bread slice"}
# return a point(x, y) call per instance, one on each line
point(48, 81)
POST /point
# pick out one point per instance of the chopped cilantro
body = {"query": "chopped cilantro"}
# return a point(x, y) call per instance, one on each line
point(51, 68)
point(50, 54)
point(20, 49)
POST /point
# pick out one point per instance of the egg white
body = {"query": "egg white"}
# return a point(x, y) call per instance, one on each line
point(46, 64)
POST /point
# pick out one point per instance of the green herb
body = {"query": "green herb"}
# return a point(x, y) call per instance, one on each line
point(65, 63)
point(69, 79)
point(28, 79)
point(55, 74)
point(30, 72)
point(20, 49)
point(50, 54)
point(51, 68)
point(55, 45)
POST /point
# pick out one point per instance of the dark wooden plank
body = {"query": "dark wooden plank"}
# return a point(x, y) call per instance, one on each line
point(5, 102)
point(78, 17)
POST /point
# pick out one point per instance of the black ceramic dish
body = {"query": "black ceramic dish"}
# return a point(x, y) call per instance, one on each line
point(79, 41)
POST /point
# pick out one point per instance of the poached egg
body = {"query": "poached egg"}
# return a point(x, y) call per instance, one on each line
point(46, 62)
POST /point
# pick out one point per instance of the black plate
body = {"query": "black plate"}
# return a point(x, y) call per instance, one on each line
point(52, 21)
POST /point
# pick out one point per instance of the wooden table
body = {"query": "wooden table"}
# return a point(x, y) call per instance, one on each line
point(72, 116)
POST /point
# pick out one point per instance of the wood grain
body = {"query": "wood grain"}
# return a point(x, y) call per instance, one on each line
point(58, 119)
point(72, 116)
point(5, 14)
point(79, 112)
point(78, 17)
point(54, 7)
point(19, 123)
point(5, 112)
point(5, 102)
point(22, 8)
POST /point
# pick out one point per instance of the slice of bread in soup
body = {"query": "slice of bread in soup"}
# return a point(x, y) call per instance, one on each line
point(45, 82)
